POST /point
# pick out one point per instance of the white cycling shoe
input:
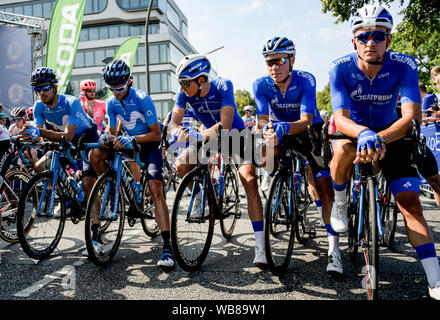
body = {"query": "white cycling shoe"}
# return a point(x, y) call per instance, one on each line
point(434, 293)
point(260, 257)
point(334, 266)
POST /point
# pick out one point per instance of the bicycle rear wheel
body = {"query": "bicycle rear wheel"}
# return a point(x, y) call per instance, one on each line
point(36, 209)
point(101, 203)
point(13, 187)
point(279, 231)
point(353, 222)
point(229, 201)
point(370, 245)
point(389, 212)
point(191, 229)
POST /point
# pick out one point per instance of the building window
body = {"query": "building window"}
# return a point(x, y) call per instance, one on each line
point(185, 29)
point(117, 31)
point(173, 16)
point(139, 4)
point(175, 54)
point(43, 8)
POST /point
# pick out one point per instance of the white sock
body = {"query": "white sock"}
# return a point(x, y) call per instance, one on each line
point(259, 238)
point(432, 270)
point(341, 196)
point(333, 245)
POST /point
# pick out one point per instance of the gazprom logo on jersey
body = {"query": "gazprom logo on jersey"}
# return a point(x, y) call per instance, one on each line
point(357, 95)
point(308, 76)
point(84, 119)
point(394, 56)
point(338, 62)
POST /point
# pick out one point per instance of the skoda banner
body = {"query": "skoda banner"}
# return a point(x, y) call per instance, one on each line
point(64, 30)
point(127, 52)
point(15, 68)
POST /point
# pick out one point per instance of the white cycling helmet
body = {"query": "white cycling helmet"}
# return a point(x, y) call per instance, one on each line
point(249, 108)
point(372, 16)
point(324, 114)
point(192, 67)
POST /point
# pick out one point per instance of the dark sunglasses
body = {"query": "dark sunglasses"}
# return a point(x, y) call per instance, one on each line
point(17, 119)
point(46, 87)
point(90, 90)
point(120, 89)
point(277, 61)
point(376, 36)
point(185, 84)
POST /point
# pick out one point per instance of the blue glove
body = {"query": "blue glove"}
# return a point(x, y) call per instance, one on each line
point(193, 134)
point(126, 140)
point(103, 138)
point(281, 129)
point(34, 132)
point(367, 139)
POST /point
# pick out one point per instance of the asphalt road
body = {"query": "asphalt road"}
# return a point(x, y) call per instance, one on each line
point(227, 274)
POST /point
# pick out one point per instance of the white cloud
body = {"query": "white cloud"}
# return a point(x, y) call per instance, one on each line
point(255, 5)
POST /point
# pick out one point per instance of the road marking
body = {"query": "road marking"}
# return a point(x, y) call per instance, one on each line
point(66, 275)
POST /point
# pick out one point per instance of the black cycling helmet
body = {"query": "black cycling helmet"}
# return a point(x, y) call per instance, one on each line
point(43, 75)
point(116, 72)
point(18, 112)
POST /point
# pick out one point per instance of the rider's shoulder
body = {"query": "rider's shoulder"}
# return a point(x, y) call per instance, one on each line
point(222, 84)
point(342, 62)
point(264, 81)
point(402, 60)
point(305, 77)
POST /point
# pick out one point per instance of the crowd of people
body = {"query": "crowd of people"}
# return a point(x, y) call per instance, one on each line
point(366, 86)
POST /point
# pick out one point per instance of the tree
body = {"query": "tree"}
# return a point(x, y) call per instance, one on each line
point(323, 99)
point(417, 35)
point(242, 99)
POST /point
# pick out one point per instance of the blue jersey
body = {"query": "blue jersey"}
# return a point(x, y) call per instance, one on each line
point(137, 114)
point(67, 111)
point(430, 101)
point(187, 119)
point(207, 109)
point(299, 98)
point(372, 102)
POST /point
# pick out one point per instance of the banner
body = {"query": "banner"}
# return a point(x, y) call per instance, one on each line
point(63, 38)
point(127, 52)
point(15, 68)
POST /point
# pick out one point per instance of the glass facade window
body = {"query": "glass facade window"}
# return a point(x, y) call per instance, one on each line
point(173, 17)
point(175, 54)
point(117, 31)
point(43, 8)
point(185, 29)
point(140, 4)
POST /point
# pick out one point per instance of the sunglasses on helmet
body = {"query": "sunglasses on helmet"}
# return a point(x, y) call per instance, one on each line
point(46, 87)
point(376, 36)
point(119, 89)
point(277, 61)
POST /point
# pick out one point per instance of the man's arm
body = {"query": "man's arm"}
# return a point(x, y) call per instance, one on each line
point(399, 128)
point(347, 126)
point(226, 118)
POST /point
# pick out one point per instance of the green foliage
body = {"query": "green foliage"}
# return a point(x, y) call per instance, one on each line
point(242, 99)
point(323, 99)
point(101, 94)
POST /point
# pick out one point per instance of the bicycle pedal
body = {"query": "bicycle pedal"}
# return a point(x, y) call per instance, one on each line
point(312, 233)
point(238, 214)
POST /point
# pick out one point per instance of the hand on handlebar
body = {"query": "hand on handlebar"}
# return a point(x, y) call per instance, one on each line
point(370, 147)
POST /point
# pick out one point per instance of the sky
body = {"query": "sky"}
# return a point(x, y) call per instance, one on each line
point(243, 26)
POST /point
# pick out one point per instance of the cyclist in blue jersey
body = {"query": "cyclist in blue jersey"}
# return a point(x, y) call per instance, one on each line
point(213, 104)
point(64, 113)
point(290, 95)
point(429, 101)
point(364, 88)
point(135, 110)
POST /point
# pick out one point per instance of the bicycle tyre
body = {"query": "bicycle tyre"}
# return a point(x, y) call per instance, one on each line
point(279, 230)
point(33, 243)
point(372, 248)
point(353, 223)
point(230, 197)
point(302, 203)
point(150, 226)
point(111, 236)
point(191, 238)
point(389, 212)
point(9, 218)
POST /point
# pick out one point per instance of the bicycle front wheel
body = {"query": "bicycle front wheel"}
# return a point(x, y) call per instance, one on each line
point(370, 245)
point(229, 201)
point(101, 204)
point(13, 187)
point(279, 231)
point(43, 207)
point(192, 223)
point(150, 226)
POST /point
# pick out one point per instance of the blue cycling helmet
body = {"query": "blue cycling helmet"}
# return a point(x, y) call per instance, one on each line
point(192, 67)
point(116, 72)
point(43, 75)
point(372, 16)
point(279, 45)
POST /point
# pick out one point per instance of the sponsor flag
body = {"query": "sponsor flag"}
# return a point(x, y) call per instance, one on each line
point(63, 38)
point(127, 52)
